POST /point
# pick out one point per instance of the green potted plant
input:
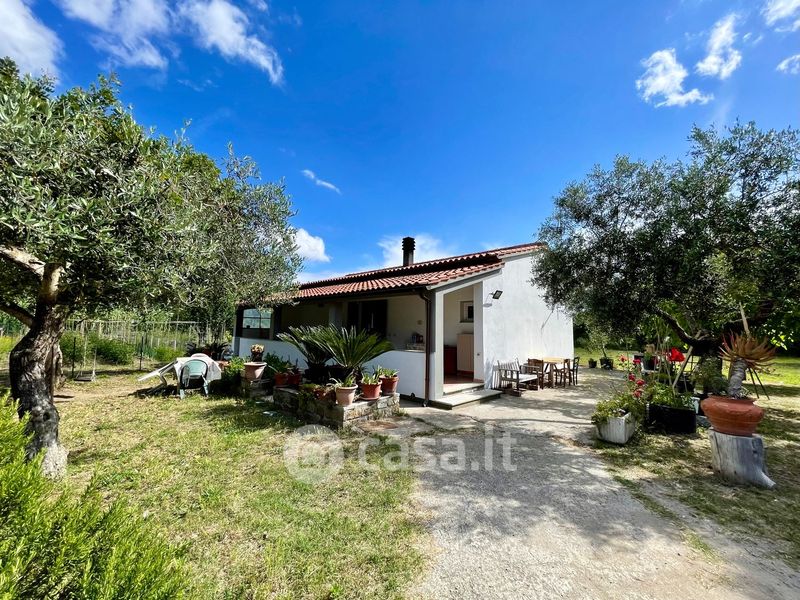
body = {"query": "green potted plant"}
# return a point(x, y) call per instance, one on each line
point(370, 387)
point(308, 342)
point(345, 390)
point(389, 379)
point(294, 376)
point(278, 368)
point(617, 417)
point(350, 348)
point(669, 411)
point(735, 413)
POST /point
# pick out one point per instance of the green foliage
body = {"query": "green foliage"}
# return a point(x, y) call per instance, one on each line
point(370, 378)
point(385, 372)
point(133, 220)
point(686, 242)
point(276, 364)
point(231, 380)
point(309, 341)
point(112, 352)
point(618, 405)
point(707, 376)
point(6, 344)
point(349, 381)
point(58, 546)
point(351, 348)
point(166, 354)
point(664, 395)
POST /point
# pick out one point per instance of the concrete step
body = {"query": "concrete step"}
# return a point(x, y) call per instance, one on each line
point(459, 388)
point(451, 401)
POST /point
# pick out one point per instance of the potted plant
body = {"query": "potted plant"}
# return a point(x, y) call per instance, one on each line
point(350, 348)
point(735, 414)
point(345, 390)
point(668, 410)
point(614, 420)
point(606, 363)
point(592, 363)
point(294, 376)
point(388, 379)
point(370, 387)
point(278, 368)
point(308, 342)
point(256, 353)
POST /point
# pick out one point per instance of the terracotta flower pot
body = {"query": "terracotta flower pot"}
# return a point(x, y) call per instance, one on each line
point(281, 379)
point(734, 416)
point(294, 379)
point(254, 370)
point(389, 385)
point(345, 395)
point(370, 391)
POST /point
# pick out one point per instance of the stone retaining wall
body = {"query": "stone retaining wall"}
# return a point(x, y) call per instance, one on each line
point(313, 410)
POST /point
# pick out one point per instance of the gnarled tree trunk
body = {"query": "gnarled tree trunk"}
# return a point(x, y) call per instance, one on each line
point(32, 367)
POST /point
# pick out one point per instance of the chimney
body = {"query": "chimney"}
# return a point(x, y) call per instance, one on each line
point(408, 251)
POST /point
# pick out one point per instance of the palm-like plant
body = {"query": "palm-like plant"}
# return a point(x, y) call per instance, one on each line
point(307, 341)
point(745, 352)
point(351, 348)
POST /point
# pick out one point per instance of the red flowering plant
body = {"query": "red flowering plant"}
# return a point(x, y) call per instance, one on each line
point(631, 399)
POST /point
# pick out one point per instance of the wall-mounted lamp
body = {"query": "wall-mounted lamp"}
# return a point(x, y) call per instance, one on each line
point(497, 293)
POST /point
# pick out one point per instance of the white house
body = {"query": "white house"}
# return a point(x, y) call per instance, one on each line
point(450, 319)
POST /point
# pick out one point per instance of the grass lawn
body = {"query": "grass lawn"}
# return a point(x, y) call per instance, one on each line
point(210, 473)
point(680, 466)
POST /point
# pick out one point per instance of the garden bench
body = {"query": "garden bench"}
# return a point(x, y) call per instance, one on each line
point(512, 375)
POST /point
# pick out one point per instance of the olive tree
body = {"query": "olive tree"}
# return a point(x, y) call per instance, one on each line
point(701, 244)
point(97, 213)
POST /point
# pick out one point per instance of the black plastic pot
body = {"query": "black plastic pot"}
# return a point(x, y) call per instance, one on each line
point(649, 364)
point(606, 362)
point(592, 363)
point(667, 419)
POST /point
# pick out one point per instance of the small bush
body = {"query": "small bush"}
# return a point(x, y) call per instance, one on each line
point(230, 384)
point(112, 352)
point(165, 354)
point(7, 344)
point(61, 546)
point(72, 348)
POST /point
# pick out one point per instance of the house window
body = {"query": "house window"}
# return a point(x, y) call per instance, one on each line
point(369, 315)
point(256, 323)
point(467, 312)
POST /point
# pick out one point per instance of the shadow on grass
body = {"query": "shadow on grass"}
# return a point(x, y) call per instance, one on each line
point(232, 415)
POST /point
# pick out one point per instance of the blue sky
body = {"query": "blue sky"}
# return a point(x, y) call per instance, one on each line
point(455, 122)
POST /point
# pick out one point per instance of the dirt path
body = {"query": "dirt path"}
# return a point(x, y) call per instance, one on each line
point(558, 525)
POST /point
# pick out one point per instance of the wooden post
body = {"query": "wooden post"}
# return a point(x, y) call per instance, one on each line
point(740, 459)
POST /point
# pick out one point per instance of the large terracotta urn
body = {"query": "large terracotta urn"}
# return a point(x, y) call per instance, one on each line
point(254, 370)
point(734, 416)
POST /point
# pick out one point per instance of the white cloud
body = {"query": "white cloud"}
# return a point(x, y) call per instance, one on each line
point(134, 32)
point(777, 11)
point(310, 247)
point(127, 28)
point(427, 248)
point(309, 174)
point(222, 26)
point(34, 47)
point(722, 59)
point(663, 78)
point(790, 65)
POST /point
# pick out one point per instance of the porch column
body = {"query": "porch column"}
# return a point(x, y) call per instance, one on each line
point(436, 389)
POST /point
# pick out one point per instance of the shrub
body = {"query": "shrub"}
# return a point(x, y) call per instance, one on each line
point(72, 348)
point(166, 354)
point(231, 381)
point(6, 344)
point(61, 546)
point(112, 352)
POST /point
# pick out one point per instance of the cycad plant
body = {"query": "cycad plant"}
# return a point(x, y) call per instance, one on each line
point(351, 348)
point(307, 341)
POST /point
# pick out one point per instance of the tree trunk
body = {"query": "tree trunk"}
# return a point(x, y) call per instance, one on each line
point(32, 372)
point(736, 378)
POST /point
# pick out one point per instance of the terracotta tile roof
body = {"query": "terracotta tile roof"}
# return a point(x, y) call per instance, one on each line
point(420, 274)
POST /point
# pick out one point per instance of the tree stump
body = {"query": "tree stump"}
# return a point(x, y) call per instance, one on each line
point(740, 459)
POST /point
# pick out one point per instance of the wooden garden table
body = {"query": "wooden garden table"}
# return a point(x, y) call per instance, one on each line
point(553, 362)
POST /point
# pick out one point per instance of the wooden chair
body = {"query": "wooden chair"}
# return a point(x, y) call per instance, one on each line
point(573, 374)
point(511, 376)
point(563, 373)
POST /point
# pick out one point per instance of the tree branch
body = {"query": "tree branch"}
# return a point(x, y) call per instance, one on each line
point(16, 311)
point(22, 259)
point(682, 333)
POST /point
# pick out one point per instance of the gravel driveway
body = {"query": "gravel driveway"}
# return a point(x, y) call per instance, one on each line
point(559, 525)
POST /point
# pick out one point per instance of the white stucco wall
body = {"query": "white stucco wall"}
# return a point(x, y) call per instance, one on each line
point(404, 315)
point(452, 315)
point(519, 324)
